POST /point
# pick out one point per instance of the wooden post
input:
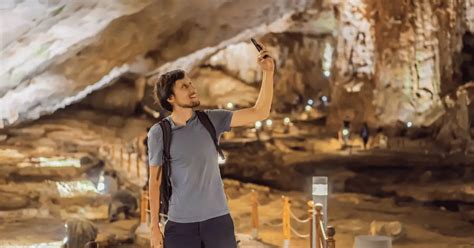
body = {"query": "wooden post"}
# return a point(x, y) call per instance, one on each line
point(138, 144)
point(138, 156)
point(286, 222)
point(254, 214)
point(319, 232)
point(101, 148)
point(144, 206)
point(283, 215)
point(138, 165)
point(331, 241)
point(113, 152)
point(129, 161)
point(121, 156)
point(311, 216)
point(148, 208)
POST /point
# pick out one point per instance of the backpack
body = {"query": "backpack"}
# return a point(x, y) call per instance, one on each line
point(165, 187)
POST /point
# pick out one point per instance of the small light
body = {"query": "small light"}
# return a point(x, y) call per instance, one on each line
point(345, 132)
point(258, 124)
point(101, 184)
point(100, 187)
point(307, 108)
point(327, 73)
point(324, 98)
point(230, 105)
point(286, 121)
point(409, 124)
point(269, 123)
point(310, 102)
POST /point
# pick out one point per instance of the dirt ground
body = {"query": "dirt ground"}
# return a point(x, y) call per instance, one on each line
point(423, 226)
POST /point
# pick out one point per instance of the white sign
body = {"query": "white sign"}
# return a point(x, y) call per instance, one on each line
point(320, 189)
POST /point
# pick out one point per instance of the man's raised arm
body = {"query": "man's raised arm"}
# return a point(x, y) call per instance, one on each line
point(261, 110)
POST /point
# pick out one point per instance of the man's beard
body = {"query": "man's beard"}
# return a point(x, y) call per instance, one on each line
point(190, 105)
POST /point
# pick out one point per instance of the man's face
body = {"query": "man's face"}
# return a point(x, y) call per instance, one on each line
point(185, 95)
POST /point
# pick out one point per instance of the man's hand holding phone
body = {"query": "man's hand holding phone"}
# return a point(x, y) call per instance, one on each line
point(264, 60)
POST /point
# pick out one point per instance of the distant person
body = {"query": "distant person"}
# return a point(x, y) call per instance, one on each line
point(344, 133)
point(122, 202)
point(94, 170)
point(364, 134)
point(346, 123)
point(187, 180)
point(111, 184)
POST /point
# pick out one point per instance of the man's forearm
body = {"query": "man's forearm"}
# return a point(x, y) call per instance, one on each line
point(261, 110)
point(265, 97)
point(154, 196)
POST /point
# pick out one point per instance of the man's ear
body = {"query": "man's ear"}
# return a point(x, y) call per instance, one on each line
point(171, 99)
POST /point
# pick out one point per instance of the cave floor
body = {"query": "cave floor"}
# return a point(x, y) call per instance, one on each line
point(73, 134)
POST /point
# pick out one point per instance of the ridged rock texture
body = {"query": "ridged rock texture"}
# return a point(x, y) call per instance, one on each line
point(383, 62)
point(57, 52)
point(397, 59)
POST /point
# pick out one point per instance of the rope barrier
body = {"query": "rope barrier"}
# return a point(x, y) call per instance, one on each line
point(298, 219)
point(273, 225)
point(298, 234)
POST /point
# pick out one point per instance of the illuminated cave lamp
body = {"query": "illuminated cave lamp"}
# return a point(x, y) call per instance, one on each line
point(269, 123)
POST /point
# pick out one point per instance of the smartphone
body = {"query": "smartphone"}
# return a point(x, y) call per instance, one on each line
point(259, 48)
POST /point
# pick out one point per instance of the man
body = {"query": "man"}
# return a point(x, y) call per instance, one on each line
point(364, 134)
point(198, 214)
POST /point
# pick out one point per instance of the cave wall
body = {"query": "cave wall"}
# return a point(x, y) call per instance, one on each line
point(303, 52)
point(299, 74)
point(87, 45)
point(302, 74)
point(120, 98)
point(396, 59)
point(217, 88)
point(468, 15)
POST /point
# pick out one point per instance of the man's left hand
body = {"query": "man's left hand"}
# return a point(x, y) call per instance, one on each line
point(266, 63)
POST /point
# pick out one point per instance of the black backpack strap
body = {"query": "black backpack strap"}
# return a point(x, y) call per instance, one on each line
point(166, 130)
point(204, 119)
point(165, 187)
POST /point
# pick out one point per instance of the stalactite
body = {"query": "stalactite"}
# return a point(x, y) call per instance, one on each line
point(355, 43)
point(413, 63)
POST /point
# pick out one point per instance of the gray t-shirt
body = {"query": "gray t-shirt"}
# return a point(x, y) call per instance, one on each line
point(198, 191)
